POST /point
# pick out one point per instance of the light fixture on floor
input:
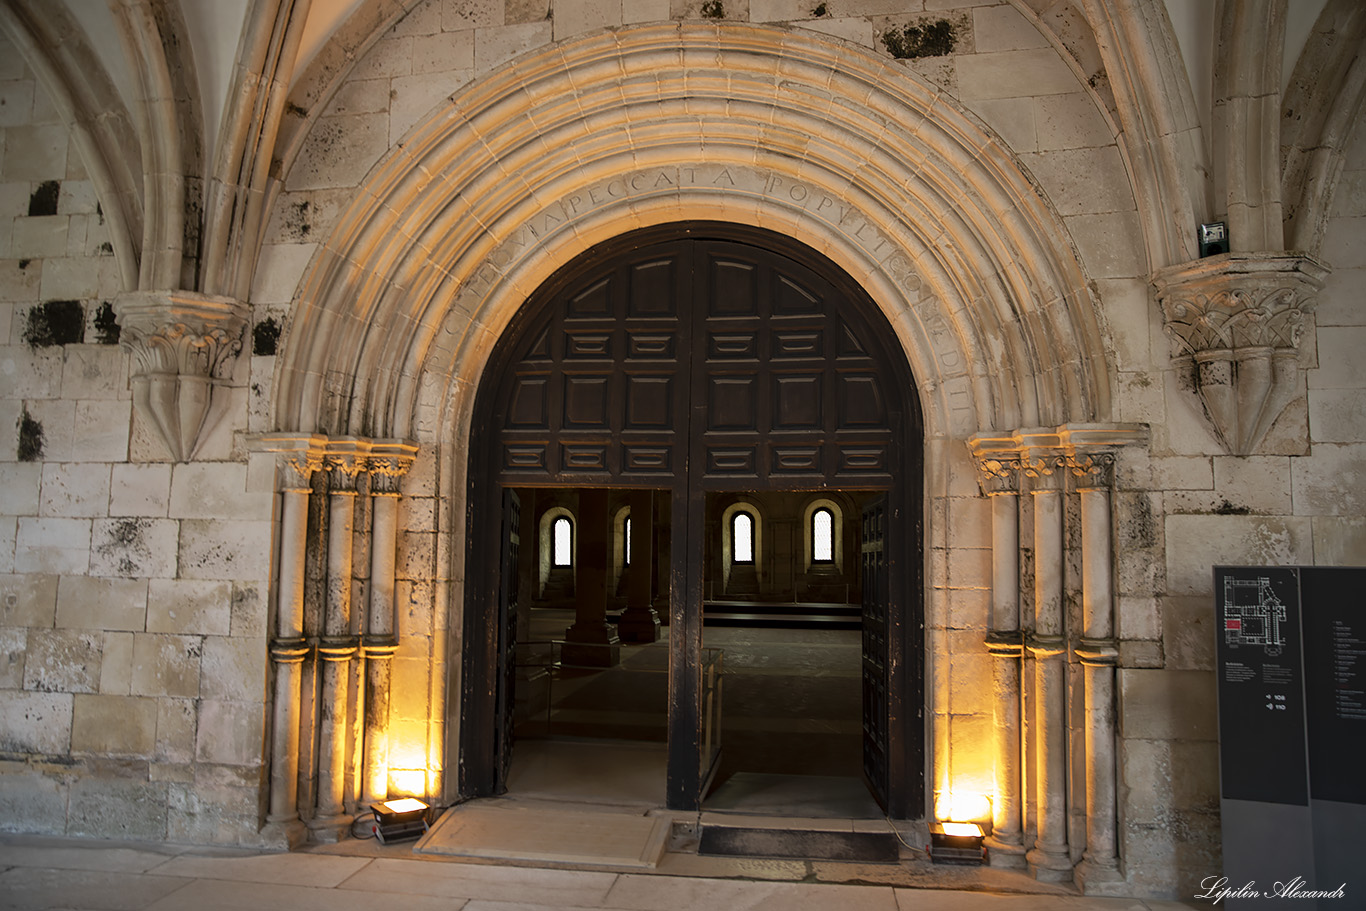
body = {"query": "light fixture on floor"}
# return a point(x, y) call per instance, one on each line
point(957, 843)
point(398, 820)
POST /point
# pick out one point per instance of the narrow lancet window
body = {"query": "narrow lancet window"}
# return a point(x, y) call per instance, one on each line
point(742, 538)
point(562, 542)
point(626, 545)
point(822, 536)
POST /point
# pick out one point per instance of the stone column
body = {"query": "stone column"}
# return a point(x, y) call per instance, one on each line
point(380, 641)
point(1000, 479)
point(639, 622)
point(288, 648)
point(1049, 860)
point(591, 640)
point(1098, 651)
point(336, 648)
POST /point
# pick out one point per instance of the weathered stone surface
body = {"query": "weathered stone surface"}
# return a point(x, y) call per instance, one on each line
point(189, 606)
point(1013, 73)
point(104, 429)
point(134, 547)
point(176, 730)
point(1188, 633)
point(249, 612)
point(103, 807)
point(13, 643)
point(1167, 704)
point(63, 661)
point(86, 602)
point(1330, 483)
point(166, 665)
point(233, 669)
point(114, 725)
point(229, 732)
point(52, 545)
point(1340, 541)
point(139, 490)
point(33, 802)
point(224, 550)
point(116, 664)
point(1196, 544)
point(215, 490)
point(19, 482)
point(220, 814)
point(28, 600)
point(73, 489)
point(35, 722)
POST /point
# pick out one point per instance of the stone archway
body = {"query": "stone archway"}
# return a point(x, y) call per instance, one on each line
point(544, 158)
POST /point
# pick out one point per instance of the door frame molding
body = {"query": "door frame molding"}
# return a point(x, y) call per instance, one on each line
point(482, 664)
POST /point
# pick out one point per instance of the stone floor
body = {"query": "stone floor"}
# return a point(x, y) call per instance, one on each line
point(87, 875)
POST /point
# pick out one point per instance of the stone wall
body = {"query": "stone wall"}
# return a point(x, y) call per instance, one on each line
point(133, 618)
point(133, 595)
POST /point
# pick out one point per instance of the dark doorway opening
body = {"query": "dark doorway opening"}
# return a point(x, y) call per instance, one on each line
point(696, 361)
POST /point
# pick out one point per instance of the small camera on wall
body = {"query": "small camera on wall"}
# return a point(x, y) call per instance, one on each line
point(1213, 239)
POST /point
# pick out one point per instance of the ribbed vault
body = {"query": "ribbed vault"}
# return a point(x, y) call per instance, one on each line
point(581, 141)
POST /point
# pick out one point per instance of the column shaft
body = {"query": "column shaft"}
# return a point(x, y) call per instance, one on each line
point(1098, 655)
point(380, 643)
point(1050, 859)
point(336, 649)
point(288, 649)
point(1003, 643)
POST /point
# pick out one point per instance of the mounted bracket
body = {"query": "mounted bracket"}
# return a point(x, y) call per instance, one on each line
point(1236, 320)
point(180, 342)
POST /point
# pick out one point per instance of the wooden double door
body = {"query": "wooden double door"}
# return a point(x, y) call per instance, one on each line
point(701, 358)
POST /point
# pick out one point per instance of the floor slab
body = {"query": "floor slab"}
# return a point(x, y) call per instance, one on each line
point(506, 830)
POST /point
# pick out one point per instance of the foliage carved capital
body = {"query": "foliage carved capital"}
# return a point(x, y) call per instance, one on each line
point(1236, 320)
point(180, 343)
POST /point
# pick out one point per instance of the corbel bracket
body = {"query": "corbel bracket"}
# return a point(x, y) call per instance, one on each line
point(1237, 320)
point(181, 343)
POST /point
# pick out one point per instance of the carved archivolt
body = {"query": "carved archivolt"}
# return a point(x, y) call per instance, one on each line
point(1237, 320)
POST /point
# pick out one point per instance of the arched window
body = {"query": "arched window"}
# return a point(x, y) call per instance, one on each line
point(626, 543)
point(562, 542)
point(822, 536)
point(742, 538)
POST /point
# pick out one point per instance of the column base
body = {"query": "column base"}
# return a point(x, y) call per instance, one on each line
point(638, 624)
point(331, 829)
point(595, 645)
point(1100, 879)
point(1050, 866)
point(1005, 855)
point(284, 834)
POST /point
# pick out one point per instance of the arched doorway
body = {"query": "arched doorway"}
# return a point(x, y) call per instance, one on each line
point(699, 359)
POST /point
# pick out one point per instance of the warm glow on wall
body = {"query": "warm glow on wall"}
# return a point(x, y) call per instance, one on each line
point(962, 806)
point(408, 781)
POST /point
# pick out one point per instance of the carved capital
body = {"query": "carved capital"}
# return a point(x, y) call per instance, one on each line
point(299, 456)
point(999, 475)
point(180, 342)
point(1091, 470)
point(1237, 320)
point(388, 462)
point(1044, 469)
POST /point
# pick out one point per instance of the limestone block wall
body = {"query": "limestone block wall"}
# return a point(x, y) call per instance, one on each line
point(133, 591)
point(133, 616)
